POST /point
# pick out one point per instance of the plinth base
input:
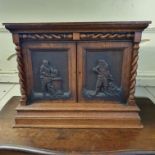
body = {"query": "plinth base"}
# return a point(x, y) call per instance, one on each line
point(78, 115)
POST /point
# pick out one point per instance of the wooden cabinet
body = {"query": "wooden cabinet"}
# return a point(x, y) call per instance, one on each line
point(77, 75)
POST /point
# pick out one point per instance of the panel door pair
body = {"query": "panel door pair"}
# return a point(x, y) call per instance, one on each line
point(77, 72)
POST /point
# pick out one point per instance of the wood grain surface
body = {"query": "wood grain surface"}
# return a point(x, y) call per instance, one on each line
point(80, 140)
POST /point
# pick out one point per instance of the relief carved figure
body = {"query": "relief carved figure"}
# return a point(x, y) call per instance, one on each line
point(50, 81)
point(105, 86)
point(103, 76)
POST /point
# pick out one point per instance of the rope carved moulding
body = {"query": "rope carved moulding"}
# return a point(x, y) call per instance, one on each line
point(69, 36)
point(95, 36)
point(44, 36)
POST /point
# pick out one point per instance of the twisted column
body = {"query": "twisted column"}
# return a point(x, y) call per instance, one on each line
point(134, 65)
point(21, 75)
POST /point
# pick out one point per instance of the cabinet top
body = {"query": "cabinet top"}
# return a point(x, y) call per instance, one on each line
point(78, 26)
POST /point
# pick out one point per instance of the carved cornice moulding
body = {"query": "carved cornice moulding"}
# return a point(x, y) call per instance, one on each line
point(75, 26)
point(148, 30)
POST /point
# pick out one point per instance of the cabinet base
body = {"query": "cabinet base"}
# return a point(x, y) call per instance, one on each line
point(88, 115)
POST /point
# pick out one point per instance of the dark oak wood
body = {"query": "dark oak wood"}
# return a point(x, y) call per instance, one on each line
point(81, 94)
point(77, 141)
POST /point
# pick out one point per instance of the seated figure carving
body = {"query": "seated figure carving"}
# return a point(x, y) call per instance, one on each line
point(48, 76)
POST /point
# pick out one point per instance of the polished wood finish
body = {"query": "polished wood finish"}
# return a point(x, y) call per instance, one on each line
point(78, 141)
point(94, 116)
point(118, 26)
point(78, 111)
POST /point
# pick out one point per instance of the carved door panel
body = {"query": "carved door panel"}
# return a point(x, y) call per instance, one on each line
point(103, 71)
point(51, 71)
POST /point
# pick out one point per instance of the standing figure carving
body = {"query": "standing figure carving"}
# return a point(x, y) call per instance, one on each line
point(103, 76)
point(48, 76)
point(105, 86)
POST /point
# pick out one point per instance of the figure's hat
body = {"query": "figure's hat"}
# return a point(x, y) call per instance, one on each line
point(103, 62)
point(45, 61)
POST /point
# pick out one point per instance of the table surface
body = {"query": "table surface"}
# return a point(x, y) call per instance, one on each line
point(81, 140)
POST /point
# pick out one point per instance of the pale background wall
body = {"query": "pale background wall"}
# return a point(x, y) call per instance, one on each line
point(78, 10)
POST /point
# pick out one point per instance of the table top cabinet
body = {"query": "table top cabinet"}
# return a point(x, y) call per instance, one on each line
point(77, 75)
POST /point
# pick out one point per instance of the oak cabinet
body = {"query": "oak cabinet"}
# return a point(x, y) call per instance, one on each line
point(77, 75)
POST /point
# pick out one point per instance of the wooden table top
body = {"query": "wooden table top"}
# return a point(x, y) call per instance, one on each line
point(80, 140)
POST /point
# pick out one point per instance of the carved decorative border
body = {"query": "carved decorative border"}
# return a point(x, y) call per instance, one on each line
point(96, 36)
point(69, 36)
point(47, 36)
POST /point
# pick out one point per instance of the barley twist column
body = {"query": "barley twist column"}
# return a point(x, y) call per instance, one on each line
point(134, 65)
point(21, 75)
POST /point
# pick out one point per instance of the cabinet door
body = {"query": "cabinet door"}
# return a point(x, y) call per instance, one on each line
point(50, 71)
point(103, 71)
